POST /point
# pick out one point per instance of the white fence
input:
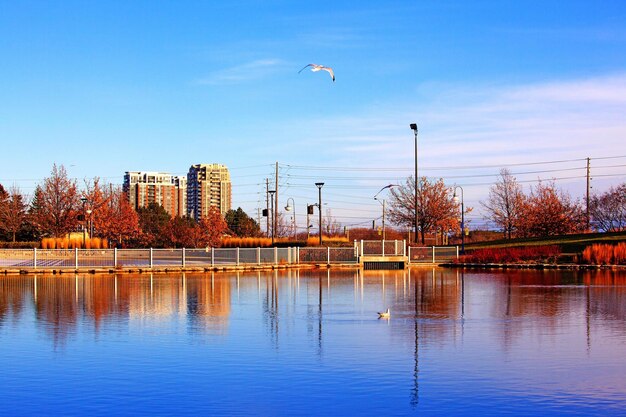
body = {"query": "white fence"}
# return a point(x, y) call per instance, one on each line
point(210, 257)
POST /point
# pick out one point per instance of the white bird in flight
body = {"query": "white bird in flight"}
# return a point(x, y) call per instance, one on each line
point(316, 67)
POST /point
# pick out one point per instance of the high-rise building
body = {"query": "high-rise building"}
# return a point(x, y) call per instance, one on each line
point(208, 185)
point(162, 188)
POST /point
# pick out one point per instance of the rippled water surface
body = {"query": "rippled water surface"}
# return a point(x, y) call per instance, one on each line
point(310, 343)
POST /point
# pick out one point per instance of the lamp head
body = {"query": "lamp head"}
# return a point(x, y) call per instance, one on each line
point(413, 126)
point(319, 184)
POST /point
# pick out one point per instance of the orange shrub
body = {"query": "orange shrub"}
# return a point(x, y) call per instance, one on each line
point(602, 254)
point(327, 241)
point(246, 242)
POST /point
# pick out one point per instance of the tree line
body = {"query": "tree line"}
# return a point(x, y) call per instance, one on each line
point(58, 208)
point(544, 210)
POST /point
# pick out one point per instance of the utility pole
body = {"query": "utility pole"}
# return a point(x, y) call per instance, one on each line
point(274, 227)
point(588, 192)
point(267, 206)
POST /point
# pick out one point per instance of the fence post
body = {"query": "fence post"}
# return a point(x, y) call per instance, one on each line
point(457, 252)
point(150, 257)
point(212, 256)
point(75, 258)
point(258, 256)
point(114, 257)
point(183, 257)
point(327, 255)
point(433, 254)
point(34, 258)
point(383, 247)
point(275, 255)
point(237, 256)
point(404, 247)
point(289, 255)
point(298, 255)
point(362, 251)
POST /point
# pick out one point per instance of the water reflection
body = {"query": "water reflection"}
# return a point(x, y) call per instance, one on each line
point(468, 326)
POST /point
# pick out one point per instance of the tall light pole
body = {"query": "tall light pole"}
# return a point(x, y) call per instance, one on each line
point(289, 208)
point(271, 193)
point(414, 128)
point(456, 200)
point(319, 188)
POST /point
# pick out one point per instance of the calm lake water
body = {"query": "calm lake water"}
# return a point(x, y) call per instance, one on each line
point(310, 343)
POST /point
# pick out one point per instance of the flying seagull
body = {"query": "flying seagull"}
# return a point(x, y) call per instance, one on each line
point(316, 67)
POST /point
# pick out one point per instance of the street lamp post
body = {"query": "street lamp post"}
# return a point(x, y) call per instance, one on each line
point(289, 208)
point(319, 188)
point(383, 203)
point(456, 200)
point(271, 192)
point(90, 212)
point(414, 128)
point(84, 200)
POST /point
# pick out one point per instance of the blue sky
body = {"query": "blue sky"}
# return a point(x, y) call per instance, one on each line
point(106, 87)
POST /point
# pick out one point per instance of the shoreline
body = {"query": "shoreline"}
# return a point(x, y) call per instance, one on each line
point(534, 266)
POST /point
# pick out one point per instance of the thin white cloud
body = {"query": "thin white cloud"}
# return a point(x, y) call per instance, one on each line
point(481, 125)
point(246, 72)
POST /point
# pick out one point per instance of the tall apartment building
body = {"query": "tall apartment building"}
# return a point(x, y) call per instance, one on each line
point(208, 185)
point(162, 188)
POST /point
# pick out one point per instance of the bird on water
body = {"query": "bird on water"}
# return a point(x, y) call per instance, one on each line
point(316, 68)
point(384, 314)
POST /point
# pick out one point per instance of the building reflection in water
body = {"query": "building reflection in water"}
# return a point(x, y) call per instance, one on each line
point(441, 307)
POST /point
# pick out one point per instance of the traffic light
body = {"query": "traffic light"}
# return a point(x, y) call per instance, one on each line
point(265, 213)
point(309, 208)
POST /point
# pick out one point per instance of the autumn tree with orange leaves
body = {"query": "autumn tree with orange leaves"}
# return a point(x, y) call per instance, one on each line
point(548, 211)
point(116, 220)
point(58, 204)
point(12, 211)
point(436, 208)
point(211, 229)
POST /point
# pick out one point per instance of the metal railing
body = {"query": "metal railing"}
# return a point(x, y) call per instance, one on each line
point(380, 247)
point(432, 254)
point(210, 257)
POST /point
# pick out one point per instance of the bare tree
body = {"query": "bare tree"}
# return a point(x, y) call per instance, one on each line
point(608, 210)
point(505, 203)
point(436, 206)
point(331, 226)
